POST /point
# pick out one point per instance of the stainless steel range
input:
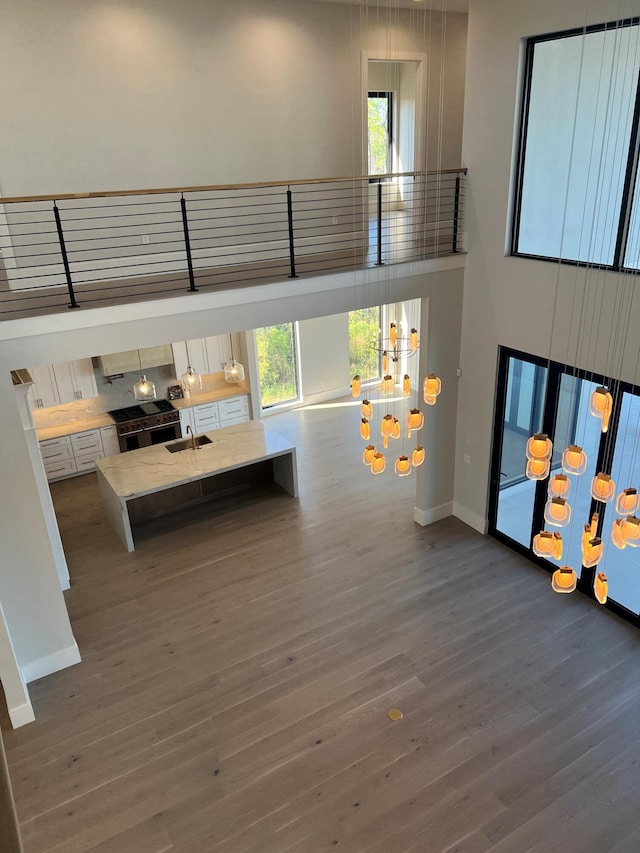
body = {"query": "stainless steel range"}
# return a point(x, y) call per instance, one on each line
point(146, 424)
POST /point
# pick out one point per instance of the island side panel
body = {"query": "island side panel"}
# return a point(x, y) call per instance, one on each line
point(115, 511)
point(285, 472)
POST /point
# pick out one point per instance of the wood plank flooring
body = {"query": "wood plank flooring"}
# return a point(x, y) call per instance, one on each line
point(239, 667)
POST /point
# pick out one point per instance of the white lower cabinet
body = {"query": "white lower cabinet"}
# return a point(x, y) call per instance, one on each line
point(215, 415)
point(77, 453)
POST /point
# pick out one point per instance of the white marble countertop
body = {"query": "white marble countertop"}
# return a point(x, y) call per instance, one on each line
point(214, 388)
point(152, 469)
point(71, 427)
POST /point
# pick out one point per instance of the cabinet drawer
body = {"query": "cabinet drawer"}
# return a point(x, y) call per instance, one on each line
point(55, 452)
point(57, 469)
point(206, 410)
point(86, 442)
point(241, 419)
point(86, 463)
point(205, 426)
point(233, 407)
point(62, 441)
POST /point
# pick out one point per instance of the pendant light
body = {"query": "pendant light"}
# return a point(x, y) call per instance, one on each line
point(365, 429)
point(557, 512)
point(143, 389)
point(366, 409)
point(539, 446)
point(600, 588)
point(601, 405)
point(378, 464)
point(355, 386)
point(431, 388)
point(619, 533)
point(403, 466)
point(603, 488)
point(632, 531)
point(564, 580)
point(537, 469)
point(559, 486)
point(367, 454)
point(406, 385)
point(627, 502)
point(413, 340)
point(415, 421)
point(548, 544)
point(386, 429)
point(387, 384)
point(417, 457)
point(574, 460)
point(191, 379)
point(393, 334)
point(592, 554)
point(233, 370)
point(395, 429)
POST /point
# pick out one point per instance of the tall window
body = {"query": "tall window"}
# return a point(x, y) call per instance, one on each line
point(277, 364)
point(364, 329)
point(380, 117)
point(576, 192)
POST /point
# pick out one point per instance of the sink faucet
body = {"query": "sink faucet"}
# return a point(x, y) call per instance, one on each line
point(194, 446)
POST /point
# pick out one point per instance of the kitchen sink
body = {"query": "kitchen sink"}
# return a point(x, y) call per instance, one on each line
point(188, 443)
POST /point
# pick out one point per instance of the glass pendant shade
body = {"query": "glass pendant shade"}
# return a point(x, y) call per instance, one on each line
point(355, 386)
point(395, 429)
point(365, 429)
point(385, 361)
point(574, 460)
point(406, 385)
point(417, 457)
point(403, 466)
point(601, 405)
point(557, 546)
point(386, 429)
point(632, 531)
point(191, 381)
point(592, 554)
point(557, 512)
point(233, 372)
point(559, 486)
point(593, 524)
point(619, 533)
point(627, 502)
point(367, 454)
point(586, 537)
point(366, 409)
point(537, 469)
point(564, 579)
point(393, 334)
point(431, 387)
point(144, 389)
point(603, 488)
point(543, 544)
point(413, 340)
point(378, 464)
point(600, 588)
point(415, 421)
point(539, 446)
point(387, 384)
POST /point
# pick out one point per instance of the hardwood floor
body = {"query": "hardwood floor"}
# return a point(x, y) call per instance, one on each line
point(238, 670)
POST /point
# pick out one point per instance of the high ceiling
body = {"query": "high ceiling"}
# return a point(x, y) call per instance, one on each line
point(449, 5)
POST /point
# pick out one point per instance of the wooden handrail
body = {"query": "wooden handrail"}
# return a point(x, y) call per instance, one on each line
point(218, 187)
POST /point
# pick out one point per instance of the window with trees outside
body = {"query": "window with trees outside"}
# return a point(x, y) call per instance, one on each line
point(577, 197)
point(364, 329)
point(277, 355)
point(380, 115)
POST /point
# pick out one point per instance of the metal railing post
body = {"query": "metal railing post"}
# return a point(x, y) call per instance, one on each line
point(456, 214)
point(65, 259)
point(292, 252)
point(379, 192)
point(187, 243)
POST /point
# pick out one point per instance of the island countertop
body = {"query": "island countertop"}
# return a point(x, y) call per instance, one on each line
point(152, 469)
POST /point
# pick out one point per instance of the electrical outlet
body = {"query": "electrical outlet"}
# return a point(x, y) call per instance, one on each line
point(467, 458)
point(335, 220)
point(468, 438)
point(145, 239)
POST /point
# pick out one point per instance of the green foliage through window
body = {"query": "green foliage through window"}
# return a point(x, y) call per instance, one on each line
point(276, 350)
point(379, 133)
point(364, 328)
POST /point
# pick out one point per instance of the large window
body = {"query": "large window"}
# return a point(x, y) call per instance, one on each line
point(364, 329)
point(380, 117)
point(576, 189)
point(276, 350)
point(535, 395)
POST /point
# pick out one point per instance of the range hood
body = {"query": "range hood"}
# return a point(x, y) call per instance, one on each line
point(132, 361)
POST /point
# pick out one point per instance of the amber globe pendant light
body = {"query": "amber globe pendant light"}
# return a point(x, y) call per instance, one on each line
point(601, 406)
point(564, 580)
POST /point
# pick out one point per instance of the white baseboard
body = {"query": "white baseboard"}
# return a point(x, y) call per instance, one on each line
point(423, 517)
point(51, 663)
point(471, 518)
point(326, 396)
point(20, 715)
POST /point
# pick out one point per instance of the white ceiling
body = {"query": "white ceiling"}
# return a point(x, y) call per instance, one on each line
point(449, 5)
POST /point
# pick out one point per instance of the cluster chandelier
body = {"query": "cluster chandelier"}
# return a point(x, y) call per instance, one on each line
point(403, 421)
point(625, 529)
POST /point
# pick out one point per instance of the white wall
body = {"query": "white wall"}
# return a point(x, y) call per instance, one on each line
point(149, 93)
point(507, 300)
point(324, 357)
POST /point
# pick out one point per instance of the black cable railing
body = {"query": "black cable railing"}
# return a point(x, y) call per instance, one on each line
point(107, 248)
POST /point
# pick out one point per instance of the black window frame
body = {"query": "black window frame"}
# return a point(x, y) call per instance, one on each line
point(555, 371)
point(388, 94)
point(632, 162)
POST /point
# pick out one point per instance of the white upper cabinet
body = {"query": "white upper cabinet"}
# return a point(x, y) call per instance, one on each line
point(75, 380)
point(44, 391)
point(206, 355)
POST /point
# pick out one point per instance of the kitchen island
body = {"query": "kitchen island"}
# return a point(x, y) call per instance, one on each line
point(152, 481)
